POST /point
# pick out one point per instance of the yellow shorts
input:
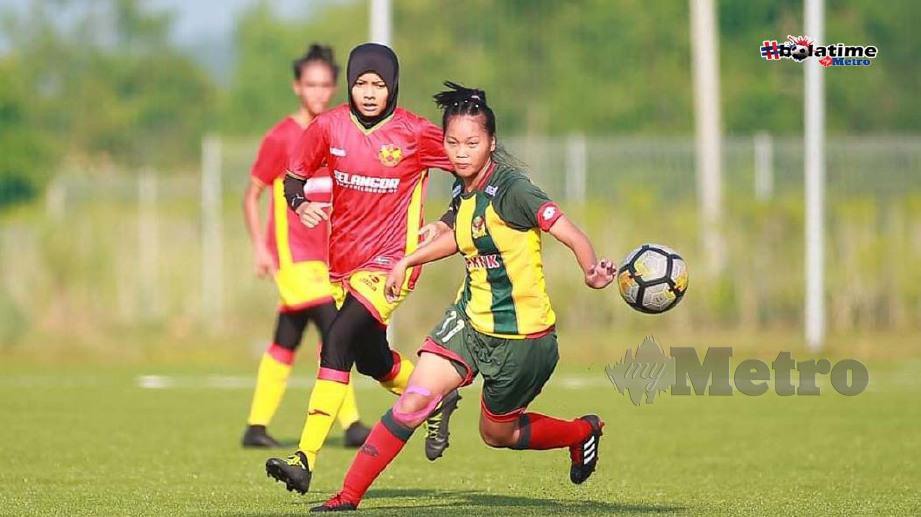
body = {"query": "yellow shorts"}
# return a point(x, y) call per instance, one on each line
point(368, 288)
point(303, 284)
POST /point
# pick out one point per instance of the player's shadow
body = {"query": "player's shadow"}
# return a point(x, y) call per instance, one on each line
point(472, 502)
point(466, 501)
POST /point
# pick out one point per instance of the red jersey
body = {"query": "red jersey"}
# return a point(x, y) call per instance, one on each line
point(379, 179)
point(286, 237)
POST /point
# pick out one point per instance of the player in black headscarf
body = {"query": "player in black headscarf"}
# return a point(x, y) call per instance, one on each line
point(380, 155)
point(379, 59)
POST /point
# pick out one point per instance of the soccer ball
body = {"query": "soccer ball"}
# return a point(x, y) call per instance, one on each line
point(652, 278)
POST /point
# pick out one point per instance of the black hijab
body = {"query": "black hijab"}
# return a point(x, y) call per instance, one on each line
point(380, 59)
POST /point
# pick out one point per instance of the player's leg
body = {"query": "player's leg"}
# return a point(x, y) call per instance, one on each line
point(445, 363)
point(305, 293)
point(336, 361)
point(526, 365)
point(374, 355)
point(433, 378)
point(375, 358)
point(355, 431)
point(272, 378)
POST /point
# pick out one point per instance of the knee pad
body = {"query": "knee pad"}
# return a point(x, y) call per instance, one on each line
point(412, 419)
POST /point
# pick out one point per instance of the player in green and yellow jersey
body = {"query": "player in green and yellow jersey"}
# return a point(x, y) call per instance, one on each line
point(501, 324)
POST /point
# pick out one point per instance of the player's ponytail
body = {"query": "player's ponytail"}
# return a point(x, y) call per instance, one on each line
point(316, 53)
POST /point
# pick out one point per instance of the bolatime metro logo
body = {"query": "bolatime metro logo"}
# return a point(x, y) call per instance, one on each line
point(366, 183)
point(802, 48)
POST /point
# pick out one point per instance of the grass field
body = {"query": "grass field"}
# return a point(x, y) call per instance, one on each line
point(81, 440)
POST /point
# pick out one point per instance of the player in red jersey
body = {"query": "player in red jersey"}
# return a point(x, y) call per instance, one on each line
point(379, 156)
point(296, 256)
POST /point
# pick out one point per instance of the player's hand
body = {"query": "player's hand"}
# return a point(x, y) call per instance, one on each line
point(600, 274)
point(264, 264)
point(394, 286)
point(312, 212)
point(428, 232)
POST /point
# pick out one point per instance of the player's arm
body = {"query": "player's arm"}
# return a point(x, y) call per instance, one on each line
point(430, 140)
point(598, 273)
point(310, 213)
point(443, 246)
point(432, 230)
point(306, 158)
point(431, 147)
point(444, 224)
point(526, 206)
point(270, 160)
point(262, 259)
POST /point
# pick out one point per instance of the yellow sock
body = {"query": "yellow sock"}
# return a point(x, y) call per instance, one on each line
point(348, 411)
point(397, 385)
point(271, 382)
point(325, 400)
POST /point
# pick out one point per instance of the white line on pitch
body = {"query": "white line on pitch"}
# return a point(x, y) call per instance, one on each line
point(232, 382)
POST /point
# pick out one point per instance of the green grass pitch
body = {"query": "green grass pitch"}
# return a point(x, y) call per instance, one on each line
point(77, 440)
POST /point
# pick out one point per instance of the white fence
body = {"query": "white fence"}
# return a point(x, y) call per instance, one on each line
point(169, 252)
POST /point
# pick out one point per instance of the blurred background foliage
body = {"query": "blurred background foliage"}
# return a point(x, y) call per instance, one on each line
point(100, 100)
point(110, 85)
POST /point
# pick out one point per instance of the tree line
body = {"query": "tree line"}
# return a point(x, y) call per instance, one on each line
point(112, 87)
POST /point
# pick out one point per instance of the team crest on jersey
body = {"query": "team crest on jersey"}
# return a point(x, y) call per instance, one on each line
point(477, 228)
point(390, 155)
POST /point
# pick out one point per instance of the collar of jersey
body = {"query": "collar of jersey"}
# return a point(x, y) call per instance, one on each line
point(298, 124)
point(372, 128)
point(482, 183)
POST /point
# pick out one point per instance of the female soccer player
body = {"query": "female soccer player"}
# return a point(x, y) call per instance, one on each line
point(295, 255)
point(501, 325)
point(379, 155)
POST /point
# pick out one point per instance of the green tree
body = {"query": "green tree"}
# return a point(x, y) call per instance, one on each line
point(25, 154)
point(109, 85)
point(260, 93)
point(600, 66)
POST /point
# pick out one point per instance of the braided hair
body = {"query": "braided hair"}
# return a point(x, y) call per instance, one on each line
point(462, 101)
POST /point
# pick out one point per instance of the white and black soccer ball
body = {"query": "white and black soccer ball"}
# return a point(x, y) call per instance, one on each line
point(652, 278)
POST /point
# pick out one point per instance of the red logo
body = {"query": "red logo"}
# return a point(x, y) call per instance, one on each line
point(825, 61)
